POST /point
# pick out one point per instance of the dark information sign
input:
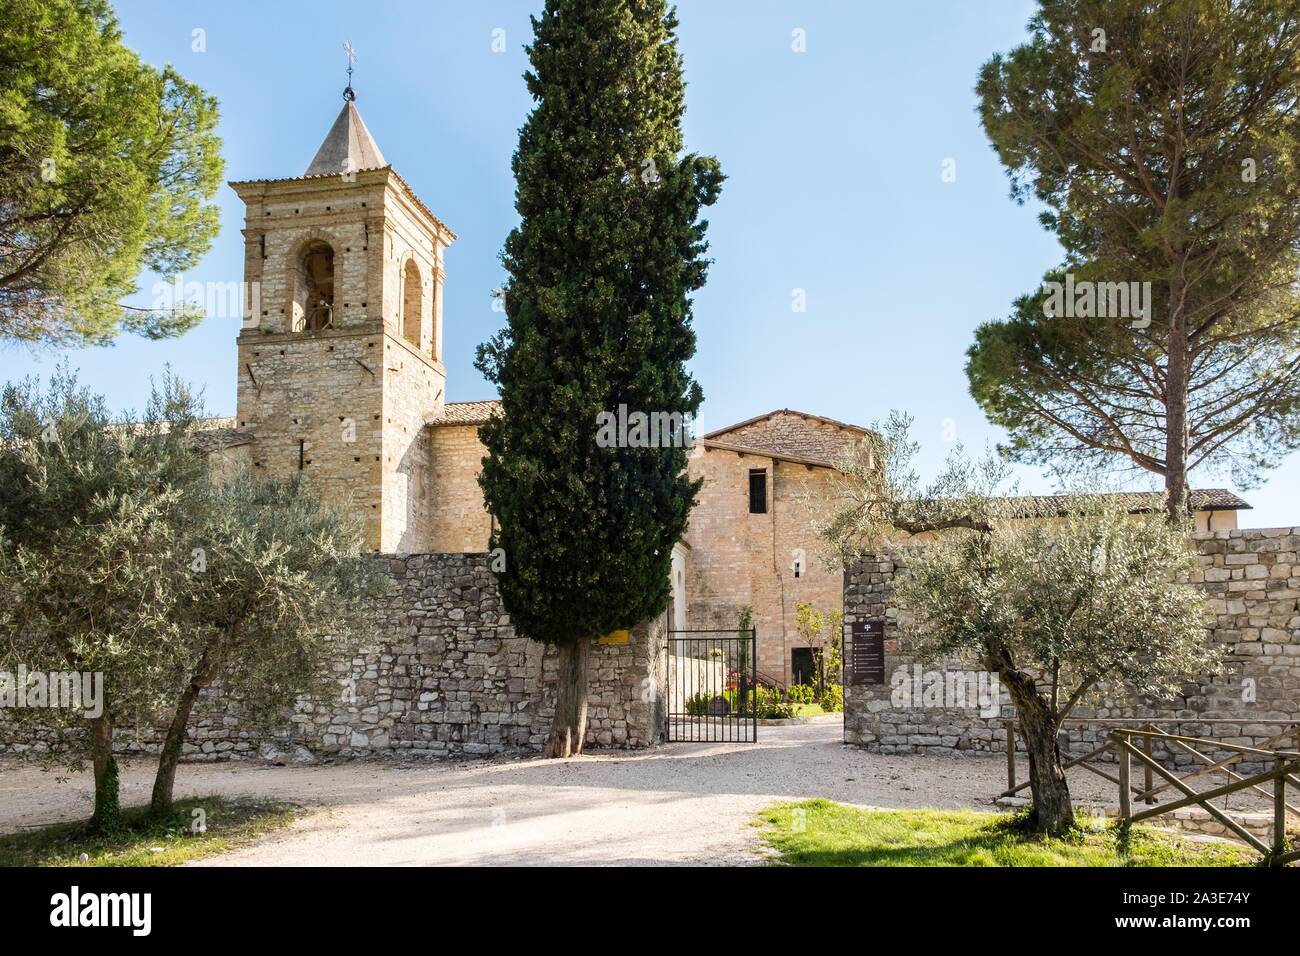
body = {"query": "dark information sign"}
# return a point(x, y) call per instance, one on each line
point(867, 664)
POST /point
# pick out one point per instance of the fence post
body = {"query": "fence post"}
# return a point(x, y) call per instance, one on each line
point(1148, 782)
point(753, 681)
point(1279, 810)
point(1125, 776)
point(1011, 753)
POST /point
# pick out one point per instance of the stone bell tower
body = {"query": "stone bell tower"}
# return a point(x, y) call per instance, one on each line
point(340, 357)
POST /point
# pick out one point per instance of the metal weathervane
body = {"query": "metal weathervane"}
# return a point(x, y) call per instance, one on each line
point(350, 52)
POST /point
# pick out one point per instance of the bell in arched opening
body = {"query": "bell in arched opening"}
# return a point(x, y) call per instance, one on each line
point(317, 275)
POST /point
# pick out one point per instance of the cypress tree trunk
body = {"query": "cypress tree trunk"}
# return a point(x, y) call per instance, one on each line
point(569, 725)
point(108, 810)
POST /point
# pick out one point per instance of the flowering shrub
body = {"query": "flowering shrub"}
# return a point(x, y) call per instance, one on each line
point(832, 701)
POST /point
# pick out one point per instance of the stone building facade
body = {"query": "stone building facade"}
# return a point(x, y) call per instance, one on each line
point(751, 536)
point(1252, 581)
point(460, 519)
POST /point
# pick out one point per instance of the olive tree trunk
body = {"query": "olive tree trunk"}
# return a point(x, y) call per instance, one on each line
point(108, 809)
point(569, 725)
point(205, 672)
point(1053, 811)
point(165, 782)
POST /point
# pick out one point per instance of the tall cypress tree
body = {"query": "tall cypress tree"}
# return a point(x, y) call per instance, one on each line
point(601, 268)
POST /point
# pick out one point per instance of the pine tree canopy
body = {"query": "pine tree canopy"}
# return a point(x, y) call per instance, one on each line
point(107, 167)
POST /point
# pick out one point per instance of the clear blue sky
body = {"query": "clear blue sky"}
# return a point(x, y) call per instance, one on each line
point(834, 158)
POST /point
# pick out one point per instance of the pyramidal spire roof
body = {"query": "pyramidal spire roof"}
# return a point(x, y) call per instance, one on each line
point(348, 146)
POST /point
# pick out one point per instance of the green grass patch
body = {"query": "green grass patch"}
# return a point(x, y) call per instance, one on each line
point(808, 710)
point(822, 833)
point(183, 835)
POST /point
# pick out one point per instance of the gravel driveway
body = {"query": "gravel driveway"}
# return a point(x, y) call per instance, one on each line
point(679, 804)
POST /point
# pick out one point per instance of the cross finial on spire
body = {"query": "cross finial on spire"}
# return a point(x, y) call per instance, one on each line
point(350, 52)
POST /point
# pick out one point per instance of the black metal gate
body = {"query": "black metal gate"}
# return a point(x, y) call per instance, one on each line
point(712, 686)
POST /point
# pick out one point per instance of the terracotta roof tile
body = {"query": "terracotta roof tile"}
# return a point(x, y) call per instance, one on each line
point(1203, 499)
point(213, 433)
point(466, 413)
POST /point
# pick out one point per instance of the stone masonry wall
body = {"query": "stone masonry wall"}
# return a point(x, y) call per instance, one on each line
point(1252, 578)
point(794, 433)
point(460, 521)
point(413, 387)
point(321, 390)
point(718, 573)
point(443, 674)
point(792, 529)
point(414, 378)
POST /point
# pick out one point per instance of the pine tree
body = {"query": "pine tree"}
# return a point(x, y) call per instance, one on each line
point(1161, 139)
point(601, 268)
point(108, 166)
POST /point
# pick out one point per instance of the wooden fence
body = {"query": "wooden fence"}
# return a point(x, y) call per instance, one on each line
point(1129, 743)
point(1286, 765)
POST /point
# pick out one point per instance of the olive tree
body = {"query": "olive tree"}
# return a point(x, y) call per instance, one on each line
point(90, 507)
point(1059, 607)
point(271, 594)
point(121, 557)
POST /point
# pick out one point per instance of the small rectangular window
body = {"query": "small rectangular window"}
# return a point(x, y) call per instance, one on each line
point(758, 491)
